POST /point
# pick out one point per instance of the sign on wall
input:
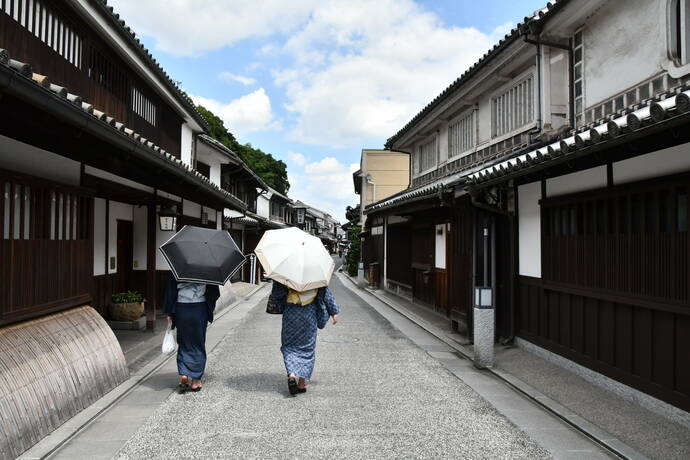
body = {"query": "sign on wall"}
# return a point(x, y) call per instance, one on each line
point(440, 246)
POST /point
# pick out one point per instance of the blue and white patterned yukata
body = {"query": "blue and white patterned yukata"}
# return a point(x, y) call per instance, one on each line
point(298, 337)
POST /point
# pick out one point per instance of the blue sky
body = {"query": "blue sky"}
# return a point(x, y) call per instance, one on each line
point(315, 81)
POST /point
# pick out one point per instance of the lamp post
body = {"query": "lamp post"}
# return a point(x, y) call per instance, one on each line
point(485, 299)
point(167, 218)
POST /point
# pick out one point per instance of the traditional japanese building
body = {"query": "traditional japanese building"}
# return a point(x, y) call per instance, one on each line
point(98, 157)
point(554, 174)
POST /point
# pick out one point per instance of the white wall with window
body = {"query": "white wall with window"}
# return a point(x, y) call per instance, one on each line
point(512, 107)
point(617, 58)
point(426, 156)
point(461, 134)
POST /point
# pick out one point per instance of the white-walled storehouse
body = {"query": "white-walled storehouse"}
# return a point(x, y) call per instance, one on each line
point(555, 174)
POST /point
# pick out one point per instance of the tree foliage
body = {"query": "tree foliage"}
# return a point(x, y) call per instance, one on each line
point(352, 214)
point(272, 171)
point(354, 252)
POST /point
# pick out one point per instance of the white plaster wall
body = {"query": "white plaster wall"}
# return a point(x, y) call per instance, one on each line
point(628, 40)
point(99, 237)
point(162, 238)
point(555, 87)
point(118, 211)
point(667, 161)
point(443, 145)
point(191, 209)
point(214, 161)
point(27, 159)
point(484, 117)
point(588, 179)
point(263, 206)
point(186, 144)
point(529, 229)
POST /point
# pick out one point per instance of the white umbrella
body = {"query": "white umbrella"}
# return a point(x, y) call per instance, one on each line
point(295, 258)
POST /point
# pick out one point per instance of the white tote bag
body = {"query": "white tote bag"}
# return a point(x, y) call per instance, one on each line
point(169, 342)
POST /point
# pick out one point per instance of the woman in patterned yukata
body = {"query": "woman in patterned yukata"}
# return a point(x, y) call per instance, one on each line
point(303, 313)
point(190, 307)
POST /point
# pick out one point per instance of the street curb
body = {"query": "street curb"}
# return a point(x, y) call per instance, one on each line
point(591, 431)
point(53, 442)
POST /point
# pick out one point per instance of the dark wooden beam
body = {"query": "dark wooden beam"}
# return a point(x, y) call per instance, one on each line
point(151, 266)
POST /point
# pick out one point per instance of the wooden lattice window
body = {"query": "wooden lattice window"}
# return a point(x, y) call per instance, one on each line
point(627, 240)
point(47, 26)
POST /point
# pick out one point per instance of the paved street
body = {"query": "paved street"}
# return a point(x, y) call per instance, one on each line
point(375, 393)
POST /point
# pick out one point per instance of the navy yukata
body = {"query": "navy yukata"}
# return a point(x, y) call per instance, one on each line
point(191, 320)
point(300, 324)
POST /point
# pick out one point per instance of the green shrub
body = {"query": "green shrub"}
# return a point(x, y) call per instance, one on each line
point(127, 297)
point(354, 251)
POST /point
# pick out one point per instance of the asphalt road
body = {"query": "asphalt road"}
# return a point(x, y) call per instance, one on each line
point(374, 394)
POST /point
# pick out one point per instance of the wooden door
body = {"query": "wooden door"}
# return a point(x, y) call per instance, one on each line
point(125, 247)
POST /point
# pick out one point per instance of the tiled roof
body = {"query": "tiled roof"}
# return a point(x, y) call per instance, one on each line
point(146, 55)
point(412, 194)
point(43, 83)
point(668, 105)
point(538, 16)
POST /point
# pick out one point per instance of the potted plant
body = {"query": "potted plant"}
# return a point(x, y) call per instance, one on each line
point(127, 306)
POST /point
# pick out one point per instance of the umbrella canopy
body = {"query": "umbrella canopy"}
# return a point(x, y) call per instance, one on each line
point(295, 258)
point(202, 255)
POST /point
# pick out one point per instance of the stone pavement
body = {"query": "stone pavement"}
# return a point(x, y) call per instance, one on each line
point(375, 394)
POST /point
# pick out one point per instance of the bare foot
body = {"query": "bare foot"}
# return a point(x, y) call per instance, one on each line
point(196, 385)
point(184, 380)
point(301, 383)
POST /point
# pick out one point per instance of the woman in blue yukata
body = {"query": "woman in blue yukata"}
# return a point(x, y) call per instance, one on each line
point(190, 307)
point(303, 313)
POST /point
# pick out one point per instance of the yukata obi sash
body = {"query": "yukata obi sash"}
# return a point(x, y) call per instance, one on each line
point(303, 298)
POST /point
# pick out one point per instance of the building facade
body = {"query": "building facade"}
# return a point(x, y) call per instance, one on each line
point(381, 173)
point(96, 141)
point(554, 173)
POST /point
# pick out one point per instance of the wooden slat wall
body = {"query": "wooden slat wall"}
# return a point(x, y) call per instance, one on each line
point(459, 257)
point(46, 237)
point(614, 293)
point(423, 243)
point(399, 254)
point(646, 348)
point(626, 241)
point(102, 78)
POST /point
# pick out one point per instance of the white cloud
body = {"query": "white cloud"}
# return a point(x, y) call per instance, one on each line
point(297, 158)
point(363, 69)
point(251, 112)
point(230, 77)
point(325, 184)
point(210, 25)
point(357, 70)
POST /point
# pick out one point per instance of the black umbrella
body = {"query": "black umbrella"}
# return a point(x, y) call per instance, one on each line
point(202, 255)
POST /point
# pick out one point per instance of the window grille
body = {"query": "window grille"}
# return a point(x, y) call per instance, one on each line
point(427, 155)
point(629, 239)
point(47, 27)
point(514, 108)
point(461, 135)
point(679, 27)
point(578, 77)
point(143, 107)
point(629, 98)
